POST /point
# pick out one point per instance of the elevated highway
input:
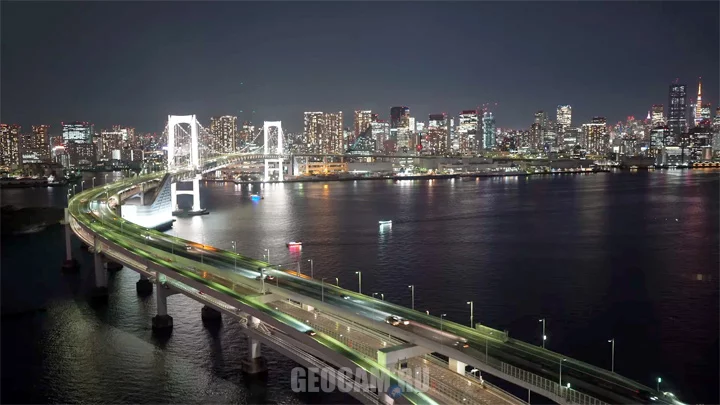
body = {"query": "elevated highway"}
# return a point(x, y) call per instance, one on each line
point(254, 290)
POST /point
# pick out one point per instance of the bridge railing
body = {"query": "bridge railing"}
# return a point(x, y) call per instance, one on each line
point(570, 395)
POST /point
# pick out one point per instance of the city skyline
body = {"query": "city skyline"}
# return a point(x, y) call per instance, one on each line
point(283, 83)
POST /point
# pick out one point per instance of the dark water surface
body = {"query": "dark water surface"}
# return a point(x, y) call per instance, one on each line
point(630, 256)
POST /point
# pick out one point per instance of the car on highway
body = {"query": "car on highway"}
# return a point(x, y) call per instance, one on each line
point(463, 345)
point(396, 320)
point(310, 332)
point(188, 247)
point(269, 277)
point(345, 297)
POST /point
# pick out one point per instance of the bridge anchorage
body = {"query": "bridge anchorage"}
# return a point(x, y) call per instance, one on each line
point(184, 155)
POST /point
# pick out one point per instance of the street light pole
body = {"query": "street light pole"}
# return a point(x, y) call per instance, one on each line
point(359, 273)
point(93, 182)
point(544, 337)
point(337, 281)
point(561, 362)
point(412, 295)
point(311, 269)
point(441, 319)
point(234, 245)
point(106, 174)
point(612, 354)
point(659, 380)
point(471, 314)
point(82, 186)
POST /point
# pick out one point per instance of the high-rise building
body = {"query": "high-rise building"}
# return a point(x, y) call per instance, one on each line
point(698, 104)
point(658, 115)
point(313, 129)
point(705, 112)
point(436, 136)
point(363, 119)
point(80, 132)
point(537, 131)
point(489, 131)
point(224, 131)
point(571, 138)
point(400, 128)
point(9, 145)
point(246, 134)
point(467, 131)
point(112, 142)
point(564, 116)
point(380, 133)
point(596, 136)
point(323, 132)
point(333, 134)
point(34, 147)
point(677, 109)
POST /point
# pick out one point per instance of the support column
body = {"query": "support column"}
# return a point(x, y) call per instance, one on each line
point(281, 175)
point(173, 196)
point(267, 170)
point(100, 290)
point(255, 364)
point(162, 322)
point(210, 315)
point(144, 286)
point(70, 264)
point(196, 193)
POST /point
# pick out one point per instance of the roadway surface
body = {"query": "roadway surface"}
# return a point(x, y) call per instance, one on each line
point(90, 209)
point(485, 345)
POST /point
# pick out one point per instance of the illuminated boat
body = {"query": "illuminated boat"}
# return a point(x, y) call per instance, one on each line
point(293, 244)
point(388, 222)
point(256, 197)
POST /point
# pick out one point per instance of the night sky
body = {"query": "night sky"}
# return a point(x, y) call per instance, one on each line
point(135, 63)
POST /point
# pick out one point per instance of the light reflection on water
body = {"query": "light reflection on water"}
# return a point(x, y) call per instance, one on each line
point(599, 256)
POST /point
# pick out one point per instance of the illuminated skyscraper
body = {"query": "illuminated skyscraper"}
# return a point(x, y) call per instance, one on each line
point(467, 130)
point(489, 131)
point(380, 133)
point(333, 133)
point(80, 132)
point(705, 112)
point(323, 132)
point(9, 145)
point(112, 143)
point(564, 116)
point(538, 130)
point(698, 104)
point(677, 109)
point(363, 119)
point(224, 131)
point(436, 136)
point(400, 128)
point(596, 136)
point(657, 118)
point(313, 129)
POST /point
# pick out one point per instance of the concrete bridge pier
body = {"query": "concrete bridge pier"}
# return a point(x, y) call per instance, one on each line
point(70, 264)
point(255, 364)
point(100, 291)
point(144, 286)
point(162, 322)
point(211, 316)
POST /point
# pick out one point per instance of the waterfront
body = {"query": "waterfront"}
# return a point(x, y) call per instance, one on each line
point(626, 255)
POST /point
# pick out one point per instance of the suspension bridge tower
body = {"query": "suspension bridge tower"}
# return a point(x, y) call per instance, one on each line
point(184, 159)
point(273, 145)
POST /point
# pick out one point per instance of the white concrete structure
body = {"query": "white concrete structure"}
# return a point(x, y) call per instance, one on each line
point(193, 162)
point(273, 145)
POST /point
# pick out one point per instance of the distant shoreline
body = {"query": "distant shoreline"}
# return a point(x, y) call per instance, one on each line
point(419, 177)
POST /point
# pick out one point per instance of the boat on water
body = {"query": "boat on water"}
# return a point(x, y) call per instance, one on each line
point(386, 222)
point(293, 244)
point(256, 197)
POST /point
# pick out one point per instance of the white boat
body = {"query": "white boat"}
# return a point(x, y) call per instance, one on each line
point(292, 244)
point(388, 222)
